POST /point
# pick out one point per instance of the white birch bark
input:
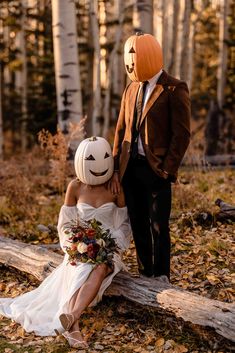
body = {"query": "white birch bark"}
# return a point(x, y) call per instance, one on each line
point(97, 99)
point(68, 86)
point(174, 42)
point(184, 65)
point(143, 16)
point(223, 51)
point(113, 54)
point(191, 54)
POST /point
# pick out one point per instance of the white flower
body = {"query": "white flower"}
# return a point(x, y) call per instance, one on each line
point(82, 247)
point(101, 242)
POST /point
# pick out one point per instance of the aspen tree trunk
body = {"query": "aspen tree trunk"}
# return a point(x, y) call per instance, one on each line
point(1, 120)
point(143, 16)
point(165, 33)
point(113, 54)
point(118, 68)
point(97, 118)
point(7, 78)
point(180, 38)
point(157, 21)
point(223, 51)
point(22, 81)
point(184, 65)
point(175, 32)
point(191, 54)
point(67, 72)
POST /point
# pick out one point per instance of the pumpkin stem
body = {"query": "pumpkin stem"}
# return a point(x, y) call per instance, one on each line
point(92, 138)
point(140, 33)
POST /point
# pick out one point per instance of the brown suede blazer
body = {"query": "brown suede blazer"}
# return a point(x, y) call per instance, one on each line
point(164, 127)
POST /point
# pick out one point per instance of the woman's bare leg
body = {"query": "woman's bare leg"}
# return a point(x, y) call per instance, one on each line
point(82, 298)
point(88, 291)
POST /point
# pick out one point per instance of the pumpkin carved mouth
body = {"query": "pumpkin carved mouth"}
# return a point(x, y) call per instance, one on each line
point(98, 174)
point(130, 69)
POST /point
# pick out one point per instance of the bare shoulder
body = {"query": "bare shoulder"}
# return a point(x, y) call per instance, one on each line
point(72, 192)
point(74, 184)
point(120, 199)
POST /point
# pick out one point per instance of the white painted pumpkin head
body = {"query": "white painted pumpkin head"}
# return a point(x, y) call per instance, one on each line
point(94, 161)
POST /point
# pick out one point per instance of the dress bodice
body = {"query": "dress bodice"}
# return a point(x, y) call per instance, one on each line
point(107, 213)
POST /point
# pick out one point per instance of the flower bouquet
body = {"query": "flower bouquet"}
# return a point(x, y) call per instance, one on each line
point(89, 242)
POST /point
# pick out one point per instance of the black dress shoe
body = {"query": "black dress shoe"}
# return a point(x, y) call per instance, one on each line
point(145, 273)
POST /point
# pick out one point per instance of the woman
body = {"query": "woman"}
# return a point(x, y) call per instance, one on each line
point(58, 303)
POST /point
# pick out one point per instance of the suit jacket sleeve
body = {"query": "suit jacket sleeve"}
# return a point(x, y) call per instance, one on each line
point(119, 132)
point(180, 109)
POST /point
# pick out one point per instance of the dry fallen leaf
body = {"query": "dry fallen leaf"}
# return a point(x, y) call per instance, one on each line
point(160, 342)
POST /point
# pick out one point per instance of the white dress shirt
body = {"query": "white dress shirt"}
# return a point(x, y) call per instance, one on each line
point(149, 89)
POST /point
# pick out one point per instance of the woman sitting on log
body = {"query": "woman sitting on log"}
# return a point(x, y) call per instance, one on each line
point(58, 303)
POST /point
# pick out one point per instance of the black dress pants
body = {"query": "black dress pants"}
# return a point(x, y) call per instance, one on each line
point(148, 199)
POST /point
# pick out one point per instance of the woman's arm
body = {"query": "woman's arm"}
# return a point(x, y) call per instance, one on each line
point(120, 200)
point(72, 193)
point(68, 212)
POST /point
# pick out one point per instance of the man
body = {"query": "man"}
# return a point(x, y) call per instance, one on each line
point(151, 137)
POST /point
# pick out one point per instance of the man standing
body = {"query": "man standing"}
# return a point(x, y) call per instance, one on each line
point(151, 137)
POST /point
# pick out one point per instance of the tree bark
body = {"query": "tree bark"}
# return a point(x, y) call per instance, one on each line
point(165, 33)
point(143, 16)
point(1, 121)
point(23, 76)
point(156, 293)
point(113, 54)
point(97, 118)
point(173, 58)
point(68, 86)
point(223, 52)
point(184, 72)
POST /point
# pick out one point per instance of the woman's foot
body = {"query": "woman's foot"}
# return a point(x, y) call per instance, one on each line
point(67, 321)
point(75, 339)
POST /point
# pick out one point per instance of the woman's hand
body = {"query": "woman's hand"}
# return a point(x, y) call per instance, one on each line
point(114, 184)
point(71, 196)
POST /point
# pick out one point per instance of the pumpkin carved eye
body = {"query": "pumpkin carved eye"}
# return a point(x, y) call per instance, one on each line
point(106, 155)
point(132, 50)
point(90, 158)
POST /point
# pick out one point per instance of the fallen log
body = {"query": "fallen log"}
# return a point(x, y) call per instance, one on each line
point(221, 160)
point(227, 211)
point(157, 293)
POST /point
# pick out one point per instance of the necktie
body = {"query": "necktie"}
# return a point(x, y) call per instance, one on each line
point(137, 119)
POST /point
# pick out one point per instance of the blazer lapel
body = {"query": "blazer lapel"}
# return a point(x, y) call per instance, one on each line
point(154, 96)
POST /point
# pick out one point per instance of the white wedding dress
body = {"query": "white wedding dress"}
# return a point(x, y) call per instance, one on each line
point(39, 309)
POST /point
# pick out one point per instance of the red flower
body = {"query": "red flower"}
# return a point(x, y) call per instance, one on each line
point(92, 250)
point(79, 235)
point(73, 247)
point(73, 263)
point(90, 233)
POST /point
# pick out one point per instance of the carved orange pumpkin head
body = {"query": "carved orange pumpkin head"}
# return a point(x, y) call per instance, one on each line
point(142, 57)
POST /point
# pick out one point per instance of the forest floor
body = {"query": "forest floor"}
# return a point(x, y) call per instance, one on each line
point(31, 194)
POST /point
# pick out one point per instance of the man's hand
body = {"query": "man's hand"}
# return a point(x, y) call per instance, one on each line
point(165, 174)
point(114, 184)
